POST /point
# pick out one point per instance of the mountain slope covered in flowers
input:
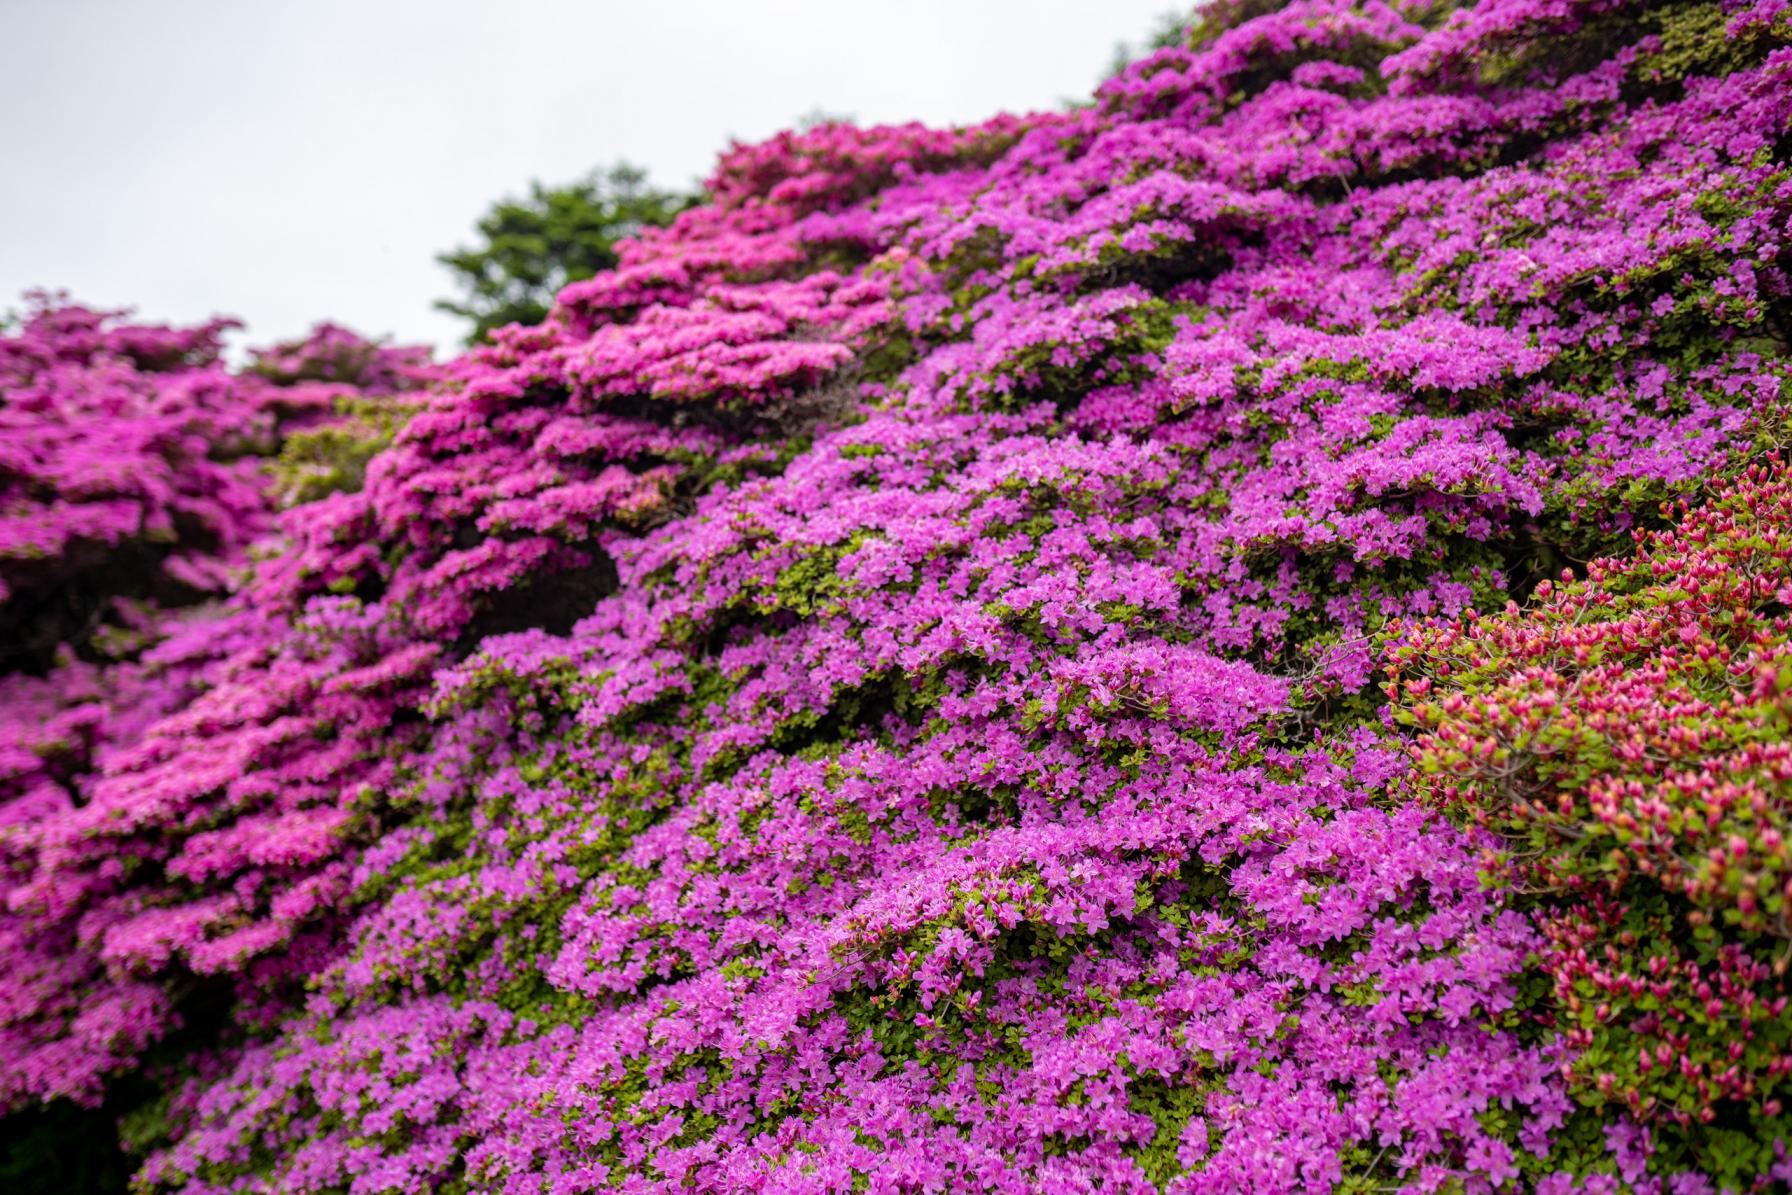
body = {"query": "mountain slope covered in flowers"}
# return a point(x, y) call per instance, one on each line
point(1005, 659)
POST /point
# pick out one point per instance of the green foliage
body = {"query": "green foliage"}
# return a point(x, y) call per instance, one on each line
point(530, 248)
point(333, 458)
point(1169, 29)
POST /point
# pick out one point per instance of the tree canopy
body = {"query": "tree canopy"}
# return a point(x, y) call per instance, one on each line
point(529, 248)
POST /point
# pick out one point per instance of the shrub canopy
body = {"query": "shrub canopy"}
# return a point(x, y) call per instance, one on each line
point(878, 690)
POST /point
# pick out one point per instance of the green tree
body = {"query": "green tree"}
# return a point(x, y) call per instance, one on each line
point(1170, 29)
point(530, 248)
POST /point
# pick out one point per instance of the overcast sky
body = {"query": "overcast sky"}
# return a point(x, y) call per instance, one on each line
point(286, 161)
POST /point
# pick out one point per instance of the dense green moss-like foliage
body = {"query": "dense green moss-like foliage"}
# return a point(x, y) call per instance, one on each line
point(876, 692)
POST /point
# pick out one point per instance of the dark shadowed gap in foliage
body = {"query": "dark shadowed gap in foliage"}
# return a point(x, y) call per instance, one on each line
point(724, 626)
point(552, 603)
point(67, 607)
point(853, 710)
point(63, 1149)
point(1161, 275)
point(1532, 559)
point(1779, 315)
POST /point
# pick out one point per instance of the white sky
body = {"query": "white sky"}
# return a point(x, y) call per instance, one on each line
point(286, 161)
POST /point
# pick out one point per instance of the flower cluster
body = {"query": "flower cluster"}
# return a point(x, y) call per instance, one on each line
point(136, 484)
point(1626, 735)
point(875, 692)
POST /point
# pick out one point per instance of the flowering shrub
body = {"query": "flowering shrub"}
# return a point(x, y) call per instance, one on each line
point(127, 451)
point(874, 693)
point(1628, 736)
point(135, 482)
point(133, 458)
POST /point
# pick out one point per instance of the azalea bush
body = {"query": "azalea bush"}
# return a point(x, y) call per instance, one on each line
point(138, 480)
point(877, 691)
point(1627, 737)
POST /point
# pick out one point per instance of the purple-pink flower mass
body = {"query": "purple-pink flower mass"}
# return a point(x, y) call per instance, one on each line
point(1234, 638)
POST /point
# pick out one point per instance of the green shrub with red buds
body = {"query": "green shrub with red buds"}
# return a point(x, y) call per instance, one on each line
point(1628, 739)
